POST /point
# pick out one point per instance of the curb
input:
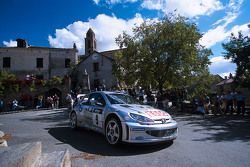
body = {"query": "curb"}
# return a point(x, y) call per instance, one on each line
point(20, 155)
point(3, 142)
point(32, 110)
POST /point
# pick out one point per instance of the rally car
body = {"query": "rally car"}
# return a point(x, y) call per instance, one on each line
point(121, 118)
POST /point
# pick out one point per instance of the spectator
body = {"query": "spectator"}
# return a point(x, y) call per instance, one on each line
point(50, 102)
point(217, 104)
point(200, 106)
point(234, 101)
point(1, 105)
point(240, 100)
point(159, 100)
point(70, 101)
point(39, 102)
point(141, 95)
point(229, 102)
point(56, 101)
point(14, 105)
point(207, 103)
point(150, 98)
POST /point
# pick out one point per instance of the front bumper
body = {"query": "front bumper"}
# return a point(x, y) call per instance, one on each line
point(137, 133)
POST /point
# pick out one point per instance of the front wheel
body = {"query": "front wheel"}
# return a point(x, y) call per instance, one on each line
point(113, 131)
point(73, 120)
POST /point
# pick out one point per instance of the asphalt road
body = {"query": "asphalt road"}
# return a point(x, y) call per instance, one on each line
point(213, 141)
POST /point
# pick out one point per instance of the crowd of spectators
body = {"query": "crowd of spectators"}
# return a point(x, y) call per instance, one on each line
point(29, 102)
point(226, 103)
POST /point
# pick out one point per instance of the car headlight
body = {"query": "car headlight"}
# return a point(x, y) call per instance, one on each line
point(141, 118)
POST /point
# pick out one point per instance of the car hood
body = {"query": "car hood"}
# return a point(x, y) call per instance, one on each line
point(144, 110)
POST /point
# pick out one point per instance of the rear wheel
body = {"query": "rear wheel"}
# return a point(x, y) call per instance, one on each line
point(113, 131)
point(73, 120)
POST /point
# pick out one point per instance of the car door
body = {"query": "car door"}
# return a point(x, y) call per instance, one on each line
point(96, 108)
point(82, 107)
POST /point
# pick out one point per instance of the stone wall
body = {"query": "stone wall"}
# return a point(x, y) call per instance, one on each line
point(104, 74)
point(24, 61)
point(27, 99)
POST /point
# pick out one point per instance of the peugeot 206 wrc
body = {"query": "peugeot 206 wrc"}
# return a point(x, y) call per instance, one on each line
point(121, 118)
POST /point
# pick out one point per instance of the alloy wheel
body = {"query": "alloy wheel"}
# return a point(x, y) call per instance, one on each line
point(73, 121)
point(113, 132)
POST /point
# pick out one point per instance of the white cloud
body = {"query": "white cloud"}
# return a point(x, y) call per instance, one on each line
point(106, 28)
point(11, 43)
point(213, 36)
point(96, 1)
point(188, 8)
point(220, 65)
point(220, 32)
point(245, 29)
point(111, 2)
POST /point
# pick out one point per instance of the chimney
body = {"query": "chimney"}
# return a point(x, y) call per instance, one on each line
point(21, 43)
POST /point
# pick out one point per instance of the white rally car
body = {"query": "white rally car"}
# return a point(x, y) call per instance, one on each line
point(122, 119)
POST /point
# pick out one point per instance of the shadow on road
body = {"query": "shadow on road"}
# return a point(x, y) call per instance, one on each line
point(59, 118)
point(220, 128)
point(94, 143)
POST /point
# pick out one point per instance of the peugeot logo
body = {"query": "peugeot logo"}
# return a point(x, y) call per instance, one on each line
point(163, 120)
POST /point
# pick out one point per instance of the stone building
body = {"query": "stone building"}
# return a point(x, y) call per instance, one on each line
point(41, 62)
point(29, 63)
point(95, 68)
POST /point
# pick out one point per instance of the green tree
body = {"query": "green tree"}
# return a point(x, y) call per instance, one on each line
point(161, 54)
point(203, 83)
point(238, 50)
point(55, 80)
point(4, 78)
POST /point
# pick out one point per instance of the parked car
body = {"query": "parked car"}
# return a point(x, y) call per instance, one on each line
point(122, 118)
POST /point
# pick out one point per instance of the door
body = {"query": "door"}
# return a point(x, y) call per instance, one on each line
point(95, 111)
point(82, 108)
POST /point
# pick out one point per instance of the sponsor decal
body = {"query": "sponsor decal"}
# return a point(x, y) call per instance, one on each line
point(153, 113)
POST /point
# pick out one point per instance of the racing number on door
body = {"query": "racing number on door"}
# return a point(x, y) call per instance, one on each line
point(96, 119)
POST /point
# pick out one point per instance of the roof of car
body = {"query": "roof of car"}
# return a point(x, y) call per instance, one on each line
point(108, 92)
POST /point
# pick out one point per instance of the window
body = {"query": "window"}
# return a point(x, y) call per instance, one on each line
point(67, 63)
point(96, 67)
point(39, 62)
point(6, 62)
point(97, 99)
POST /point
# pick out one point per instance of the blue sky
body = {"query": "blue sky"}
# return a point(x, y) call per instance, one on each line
point(60, 23)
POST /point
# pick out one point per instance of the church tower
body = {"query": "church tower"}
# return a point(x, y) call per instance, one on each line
point(90, 42)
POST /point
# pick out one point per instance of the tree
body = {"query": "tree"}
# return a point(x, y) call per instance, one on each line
point(203, 84)
point(238, 50)
point(161, 54)
point(5, 79)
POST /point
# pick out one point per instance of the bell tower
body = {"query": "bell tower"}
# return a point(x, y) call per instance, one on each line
point(90, 42)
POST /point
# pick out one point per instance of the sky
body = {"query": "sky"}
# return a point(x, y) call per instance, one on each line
point(60, 23)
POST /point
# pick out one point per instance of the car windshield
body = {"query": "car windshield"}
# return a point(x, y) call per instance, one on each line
point(121, 99)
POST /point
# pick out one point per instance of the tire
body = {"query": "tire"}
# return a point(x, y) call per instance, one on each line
point(113, 131)
point(73, 120)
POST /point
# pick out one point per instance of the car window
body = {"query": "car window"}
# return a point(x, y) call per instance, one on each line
point(97, 99)
point(121, 99)
point(84, 99)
